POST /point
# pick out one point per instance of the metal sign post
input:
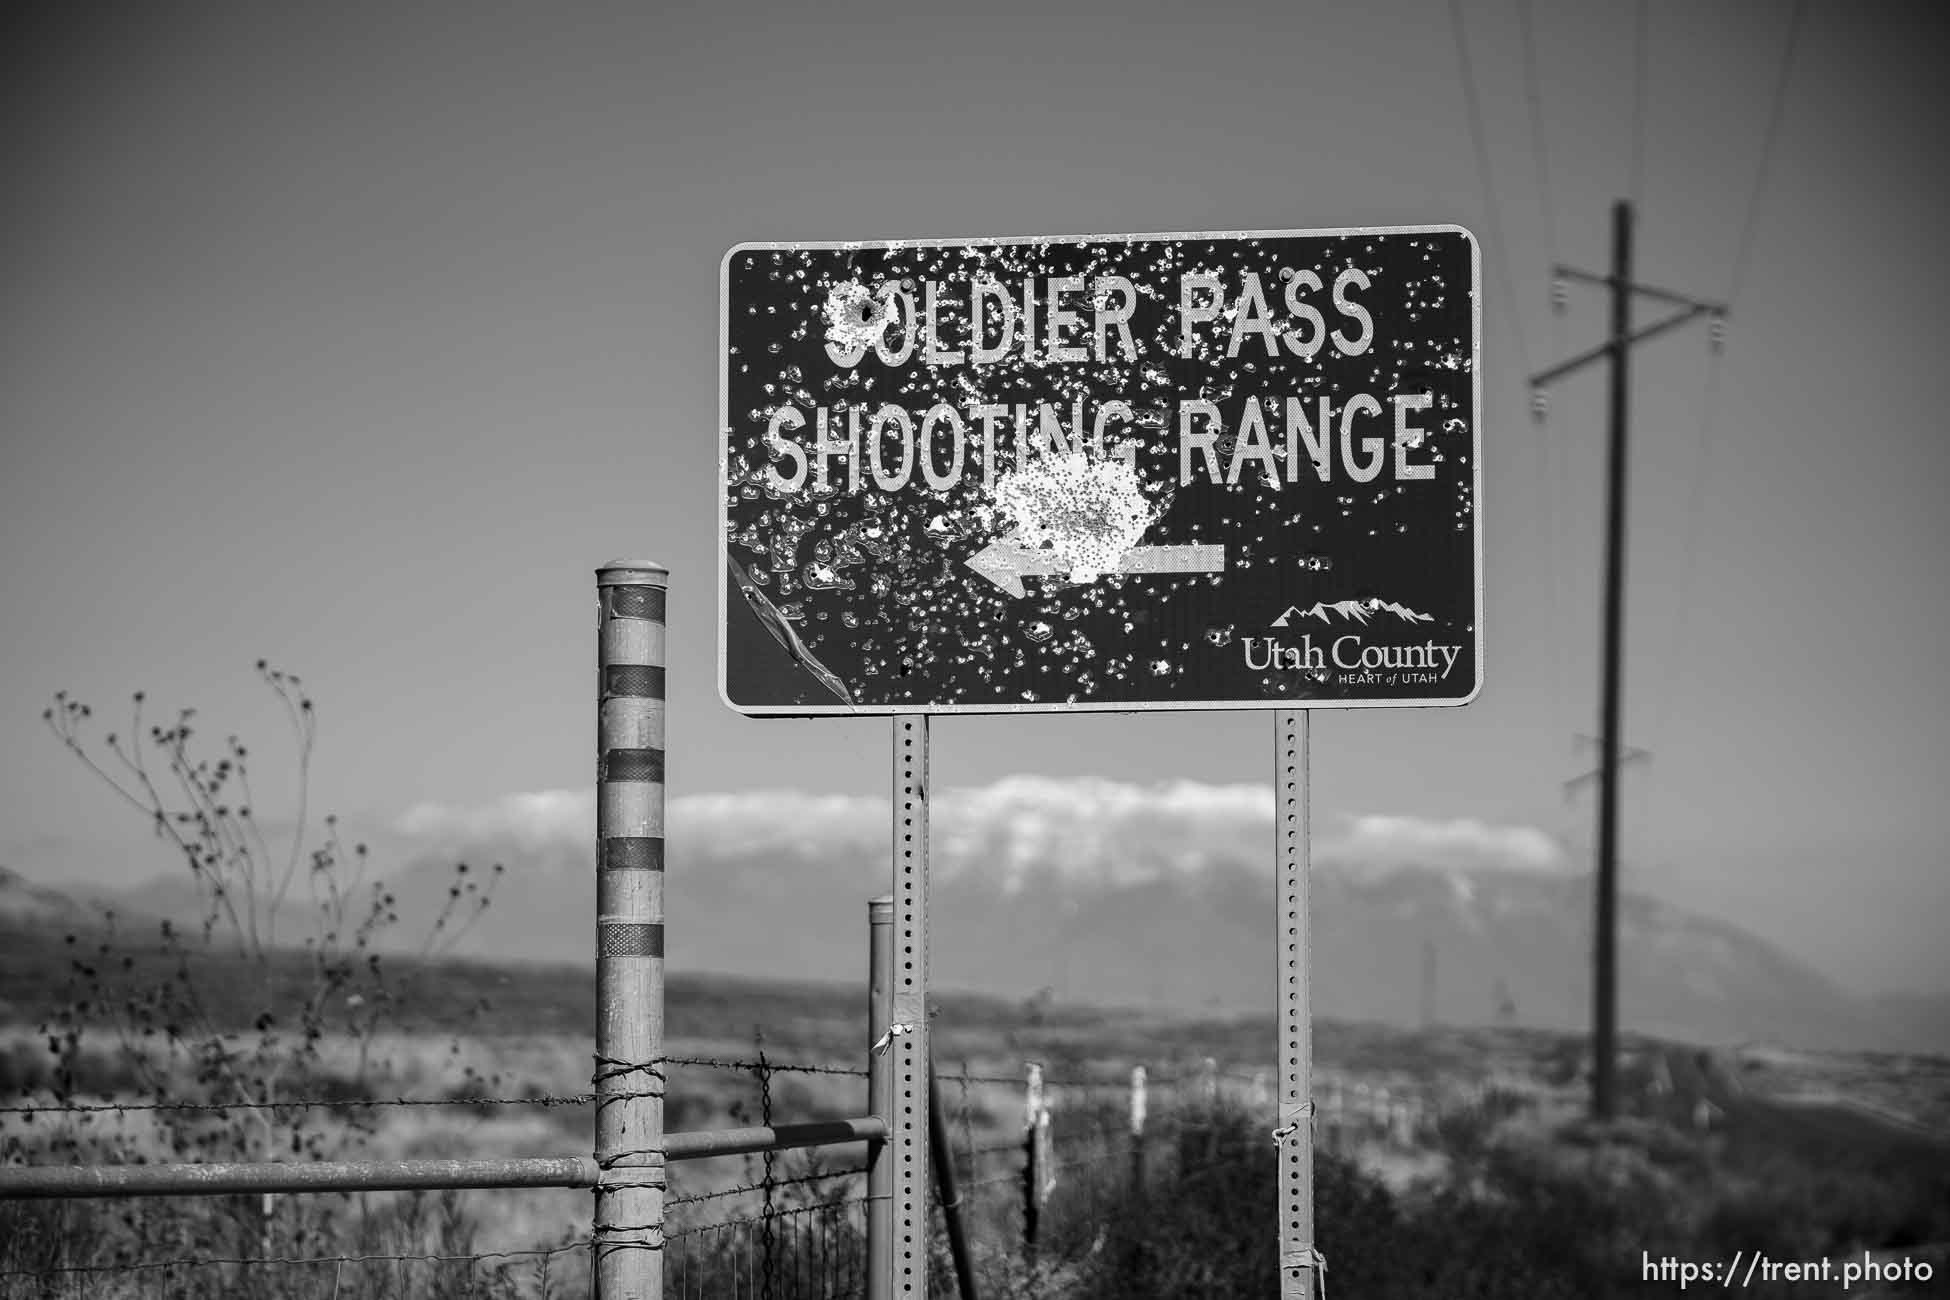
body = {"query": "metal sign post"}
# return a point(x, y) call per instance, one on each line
point(907, 1036)
point(1300, 1260)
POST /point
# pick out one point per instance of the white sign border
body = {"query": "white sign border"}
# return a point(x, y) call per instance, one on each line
point(1061, 706)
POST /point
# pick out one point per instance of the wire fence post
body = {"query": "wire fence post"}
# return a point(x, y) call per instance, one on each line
point(628, 1236)
point(769, 1162)
point(1204, 1139)
point(1035, 1128)
point(967, 1122)
point(949, 1192)
point(880, 1070)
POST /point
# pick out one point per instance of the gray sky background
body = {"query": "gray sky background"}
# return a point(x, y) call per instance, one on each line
point(357, 336)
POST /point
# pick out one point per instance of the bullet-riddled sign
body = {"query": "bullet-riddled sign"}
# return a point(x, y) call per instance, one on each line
point(1106, 472)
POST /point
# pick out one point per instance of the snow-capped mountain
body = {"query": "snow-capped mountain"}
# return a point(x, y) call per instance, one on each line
point(1117, 894)
point(1356, 611)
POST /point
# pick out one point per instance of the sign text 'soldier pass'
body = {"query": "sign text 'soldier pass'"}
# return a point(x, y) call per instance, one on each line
point(1108, 472)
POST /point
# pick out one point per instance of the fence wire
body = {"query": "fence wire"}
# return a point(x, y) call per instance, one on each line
point(420, 1246)
point(789, 1229)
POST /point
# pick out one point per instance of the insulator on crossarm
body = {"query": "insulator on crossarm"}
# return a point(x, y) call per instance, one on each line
point(1716, 333)
point(1560, 298)
point(1540, 405)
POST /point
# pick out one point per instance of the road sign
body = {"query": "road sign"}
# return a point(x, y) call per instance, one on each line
point(1104, 472)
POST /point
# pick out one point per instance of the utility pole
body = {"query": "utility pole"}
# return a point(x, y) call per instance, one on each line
point(1604, 983)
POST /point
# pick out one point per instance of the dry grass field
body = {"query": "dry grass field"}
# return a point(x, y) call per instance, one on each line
point(1465, 1145)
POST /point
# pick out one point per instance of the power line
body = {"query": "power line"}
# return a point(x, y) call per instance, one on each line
point(1638, 110)
point(1774, 116)
point(1709, 405)
point(1548, 488)
point(1695, 497)
point(1539, 151)
point(1495, 211)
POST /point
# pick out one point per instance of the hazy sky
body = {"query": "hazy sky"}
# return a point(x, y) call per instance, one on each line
point(357, 336)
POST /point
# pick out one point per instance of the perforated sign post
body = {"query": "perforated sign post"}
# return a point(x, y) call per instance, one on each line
point(1105, 472)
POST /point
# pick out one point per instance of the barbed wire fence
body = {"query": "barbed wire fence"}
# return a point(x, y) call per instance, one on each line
point(792, 1224)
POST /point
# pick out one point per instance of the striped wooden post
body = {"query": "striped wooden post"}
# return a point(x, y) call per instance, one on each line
point(628, 1240)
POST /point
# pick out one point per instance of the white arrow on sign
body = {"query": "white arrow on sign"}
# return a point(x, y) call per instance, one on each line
point(1006, 562)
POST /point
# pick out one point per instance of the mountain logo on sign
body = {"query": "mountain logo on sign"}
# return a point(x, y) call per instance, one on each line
point(1357, 611)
